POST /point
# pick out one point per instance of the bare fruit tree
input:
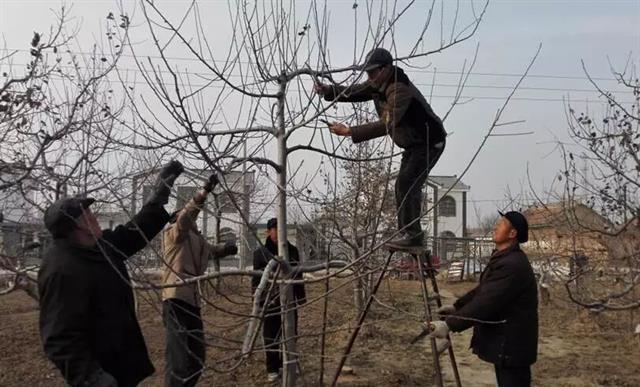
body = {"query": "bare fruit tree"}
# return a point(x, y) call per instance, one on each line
point(275, 52)
point(241, 100)
point(604, 176)
point(58, 111)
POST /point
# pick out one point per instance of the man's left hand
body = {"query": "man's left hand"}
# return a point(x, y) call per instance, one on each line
point(439, 329)
point(211, 183)
point(340, 129)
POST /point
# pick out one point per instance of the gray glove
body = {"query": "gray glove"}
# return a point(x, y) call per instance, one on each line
point(438, 329)
point(164, 182)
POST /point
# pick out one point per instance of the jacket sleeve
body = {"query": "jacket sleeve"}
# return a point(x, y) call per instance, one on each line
point(65, 303)
point(398, 100)
point(368, 131)
point(462, 301)
point(360, 92)
point(129, 238)
point(502, 285)
point(189, 214)
point(216, 250)
point(259, 263)
point(299, 292)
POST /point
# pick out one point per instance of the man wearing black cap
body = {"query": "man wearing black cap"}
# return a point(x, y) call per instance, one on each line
point(271, 327)
point(502, 309)
point(407, 117)
point(88, 324)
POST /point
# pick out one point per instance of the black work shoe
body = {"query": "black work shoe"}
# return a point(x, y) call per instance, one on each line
point(406, 243)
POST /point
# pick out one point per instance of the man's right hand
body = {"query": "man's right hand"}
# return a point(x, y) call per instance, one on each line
point(230, 248)
point(320, 88)
point(446, 310)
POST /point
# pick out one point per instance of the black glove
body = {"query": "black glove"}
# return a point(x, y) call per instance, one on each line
point(164, 182)
point(211, 183)
point(230, 248)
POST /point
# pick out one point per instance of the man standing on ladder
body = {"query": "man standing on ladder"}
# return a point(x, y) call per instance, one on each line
point(502, 309)
point(407, 117)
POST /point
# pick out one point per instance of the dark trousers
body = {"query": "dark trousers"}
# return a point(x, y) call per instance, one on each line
point(185, 347)
point(513, 376)
point(414, 169)
point(272, 334)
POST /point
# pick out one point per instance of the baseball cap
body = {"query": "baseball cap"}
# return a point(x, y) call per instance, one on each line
point(61, 215)
point(519, 223)
point(378, 57)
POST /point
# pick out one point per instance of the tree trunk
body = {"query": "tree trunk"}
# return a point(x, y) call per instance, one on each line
point(286, 290)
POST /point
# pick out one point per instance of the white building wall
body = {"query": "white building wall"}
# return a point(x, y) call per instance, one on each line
point(454, 224)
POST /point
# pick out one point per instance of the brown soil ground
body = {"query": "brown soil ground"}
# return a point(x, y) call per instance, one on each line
point(576, 348)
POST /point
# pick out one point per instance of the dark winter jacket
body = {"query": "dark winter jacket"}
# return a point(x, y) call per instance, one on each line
point(87, 315)
point(507, 292)
point(404, 112)
point(261, 258)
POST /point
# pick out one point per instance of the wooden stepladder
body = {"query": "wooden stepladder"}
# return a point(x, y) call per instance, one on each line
point(426, 271)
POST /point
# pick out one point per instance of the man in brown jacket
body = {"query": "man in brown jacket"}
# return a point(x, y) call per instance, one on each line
point(406, 116)
point(186, 254)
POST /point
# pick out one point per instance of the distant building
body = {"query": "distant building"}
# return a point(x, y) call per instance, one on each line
point(563, 230)
point(451, 212)
point(22, 234)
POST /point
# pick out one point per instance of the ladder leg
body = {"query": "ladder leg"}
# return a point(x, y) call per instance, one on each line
point(428, 315)
point(434, 285)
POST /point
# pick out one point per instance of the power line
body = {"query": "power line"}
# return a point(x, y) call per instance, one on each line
point(462, 98)
point(450, 85)
point(409, 70)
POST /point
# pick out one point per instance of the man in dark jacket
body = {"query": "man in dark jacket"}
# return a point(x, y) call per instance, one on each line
point(271, 328)
point(406, 116)
point(502, 309)
point(88, 324)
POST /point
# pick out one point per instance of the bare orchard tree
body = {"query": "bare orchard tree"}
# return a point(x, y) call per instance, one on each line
point(605, 177)
point(248, 99)
point(57, 111)
point(359, 210)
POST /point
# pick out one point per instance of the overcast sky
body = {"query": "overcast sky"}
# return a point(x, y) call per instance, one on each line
point(598, 32)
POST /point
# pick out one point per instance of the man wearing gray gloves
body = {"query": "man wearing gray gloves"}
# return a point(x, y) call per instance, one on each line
point(88, 323)
point(502, 309)
point(186, 255)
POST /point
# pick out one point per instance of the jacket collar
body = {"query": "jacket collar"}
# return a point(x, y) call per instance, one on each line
point(500, 253)
point(94, 253)
point(272, 246)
